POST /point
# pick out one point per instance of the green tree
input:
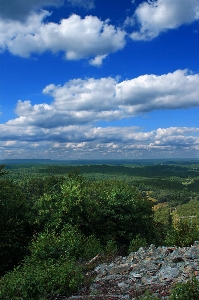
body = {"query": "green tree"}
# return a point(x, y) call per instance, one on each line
point(183, 234)
point(2, 171)
point(15, 230)
point(44, 279)
point(110, 209)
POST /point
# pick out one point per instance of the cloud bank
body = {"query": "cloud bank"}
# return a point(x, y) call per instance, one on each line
point(66, 128)
point(77, 142)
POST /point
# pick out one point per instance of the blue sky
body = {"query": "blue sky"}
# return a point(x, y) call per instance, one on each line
point(87, 79)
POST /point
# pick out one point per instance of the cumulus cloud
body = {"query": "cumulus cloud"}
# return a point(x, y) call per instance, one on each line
point(66, 125)
point(83, 101)
point(158, 16)
point(77, 37)
point(9, 30)
point(20, 9)
point(151, 92)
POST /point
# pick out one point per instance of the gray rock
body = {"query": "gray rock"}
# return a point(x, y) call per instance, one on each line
point(168, 273)
point(120, 268)
point(151, 268)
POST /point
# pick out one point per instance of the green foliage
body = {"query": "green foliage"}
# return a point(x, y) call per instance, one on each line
point(53, 266)
point(108, 209)
point(117, 211)
point(68, 243)
point(48, 212)
point(49, 245)
point(111, 248)
point(75, 219)
point(183, 234)
point(15, 231)
point(136, 243)
point(187, 290)
point(181, 291)
point(35, 187)
point(2, 171)
point(44, 279)
point(189, 209)
point(160, 230)
point(91, 246)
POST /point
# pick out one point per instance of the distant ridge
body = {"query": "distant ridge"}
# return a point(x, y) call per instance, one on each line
point(142, 162)
point(24, 161)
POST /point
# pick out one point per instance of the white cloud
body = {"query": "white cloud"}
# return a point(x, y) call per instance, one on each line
point(177, 131)
point(67, 124)
point(11, 29)
point(90, 100)
point(9, 143)
point(158, 16)
point(77, 37)
point(98, 60)
point(151, 92)
point(75, 142)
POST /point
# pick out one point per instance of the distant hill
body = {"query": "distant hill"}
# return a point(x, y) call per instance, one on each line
point(24, 161)
point(117, 162)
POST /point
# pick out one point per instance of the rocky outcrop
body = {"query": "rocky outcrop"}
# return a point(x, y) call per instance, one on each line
point(153, 269)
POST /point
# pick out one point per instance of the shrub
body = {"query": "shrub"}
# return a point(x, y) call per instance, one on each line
point(183, 234)
point(43, 280)
point(181, 291)
point(107, 209)
point(136, 243)
point(69, 243)
point(114, 210)
point(50, 245)
point(90, 247)
point(187, 290)
point(111, 248)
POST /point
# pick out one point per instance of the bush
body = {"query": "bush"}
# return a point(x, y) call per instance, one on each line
point(110, 210)
point(136, 243)
point(90, 247)
point(181, 291)
point(183, 234)
point(114, 210)
point(43, 280)
point(187, 290)
point(111, 248)
point(69, 243)
point(49, 245)
point(53, 266)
